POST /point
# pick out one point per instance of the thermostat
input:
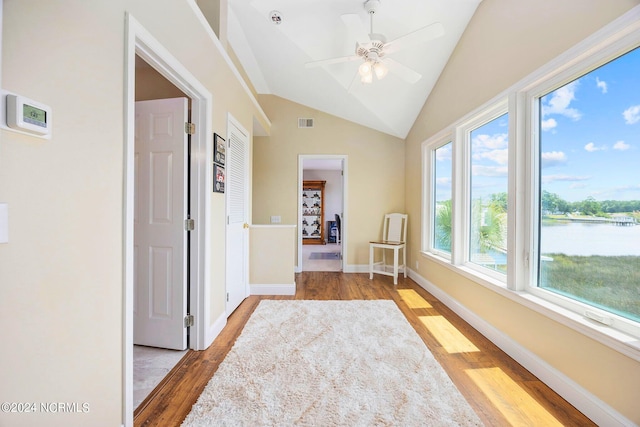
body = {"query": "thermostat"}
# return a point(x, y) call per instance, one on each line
point(28, 116)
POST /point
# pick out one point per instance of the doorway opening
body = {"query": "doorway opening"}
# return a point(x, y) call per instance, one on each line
point(322, 242)
point(162, 195)
point(175, 80)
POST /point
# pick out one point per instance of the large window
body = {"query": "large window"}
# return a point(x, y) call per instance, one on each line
point(488, 195)
point(536, 194)
point(442, 219)
point(589, 181)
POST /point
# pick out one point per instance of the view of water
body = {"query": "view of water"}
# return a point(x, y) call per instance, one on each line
point(577, 238)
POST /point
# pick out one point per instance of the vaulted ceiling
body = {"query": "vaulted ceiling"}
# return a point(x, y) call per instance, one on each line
point(275, 39)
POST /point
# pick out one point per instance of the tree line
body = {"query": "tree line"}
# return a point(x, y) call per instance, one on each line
point(554, 204)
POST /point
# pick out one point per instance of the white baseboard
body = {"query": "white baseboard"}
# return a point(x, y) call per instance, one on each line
point(273, 289)
point(587, 403)
point(356, 268)
point(214, 330)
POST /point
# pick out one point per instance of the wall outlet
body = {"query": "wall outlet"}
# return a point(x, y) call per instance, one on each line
point(276, 219)
point(417, 265)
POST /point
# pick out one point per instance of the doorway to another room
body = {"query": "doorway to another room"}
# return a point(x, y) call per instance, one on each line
point(322, 212)
point(151, 73)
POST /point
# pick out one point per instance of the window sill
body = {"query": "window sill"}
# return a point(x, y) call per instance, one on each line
point(612, 338)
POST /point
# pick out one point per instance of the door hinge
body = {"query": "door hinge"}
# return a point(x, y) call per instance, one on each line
point(189, 128)
point(227, 296)
point(189, 224)
point(189, 320)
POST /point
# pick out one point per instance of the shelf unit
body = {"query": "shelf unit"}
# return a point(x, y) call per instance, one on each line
point(313, 213)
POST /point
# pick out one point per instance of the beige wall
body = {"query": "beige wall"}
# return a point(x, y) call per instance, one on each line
point(504, 42)
point(61, 274)
point(375, 170)
point(272, 255)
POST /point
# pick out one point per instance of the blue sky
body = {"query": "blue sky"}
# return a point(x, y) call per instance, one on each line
point(590, 137)
point(590, 140)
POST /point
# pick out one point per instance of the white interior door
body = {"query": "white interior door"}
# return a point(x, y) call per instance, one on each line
point(160, 250)
point(237, 215)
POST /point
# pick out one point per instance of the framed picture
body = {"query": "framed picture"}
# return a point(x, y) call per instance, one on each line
point(219, 150)
point(218, 179)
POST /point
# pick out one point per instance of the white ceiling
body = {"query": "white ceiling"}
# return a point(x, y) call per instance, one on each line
point(274, 56)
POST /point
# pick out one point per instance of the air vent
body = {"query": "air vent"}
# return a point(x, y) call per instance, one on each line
point(305, 123)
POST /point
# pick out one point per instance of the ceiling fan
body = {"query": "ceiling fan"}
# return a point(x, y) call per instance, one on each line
point(373, 48)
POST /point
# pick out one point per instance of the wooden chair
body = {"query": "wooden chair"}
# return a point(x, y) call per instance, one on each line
point(394, 236)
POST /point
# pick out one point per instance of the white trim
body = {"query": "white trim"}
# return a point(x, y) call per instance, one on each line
point(273, 289)
point(357, 268)
point(212, 35)
point(345, 193)
point(587, 403)
point(216, 327)
point(140, 42)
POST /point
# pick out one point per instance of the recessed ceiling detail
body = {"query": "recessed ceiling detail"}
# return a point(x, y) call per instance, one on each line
point(275, 57)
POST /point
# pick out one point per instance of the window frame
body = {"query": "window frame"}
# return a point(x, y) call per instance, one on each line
point(520, 101)
point(429, 180)
point(497, 109)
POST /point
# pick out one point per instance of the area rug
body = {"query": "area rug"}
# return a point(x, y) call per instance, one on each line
point(330, 363)
point(324, 255)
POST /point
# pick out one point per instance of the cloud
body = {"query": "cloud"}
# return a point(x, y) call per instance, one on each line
point(632, 115)
point(548, 124)
point(602, 85)
point(560, 100)
point(553, 158)
point(552, 178)
point(621, 145)
point(444, 153)
point(443, 182)
point(491, 142)
point(591, 147)
point(478, 170)
point(501, 157)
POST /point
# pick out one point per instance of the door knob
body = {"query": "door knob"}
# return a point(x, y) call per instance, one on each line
point(245, 225)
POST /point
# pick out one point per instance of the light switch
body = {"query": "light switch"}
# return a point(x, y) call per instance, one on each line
point(4, 223)
point(276, 219)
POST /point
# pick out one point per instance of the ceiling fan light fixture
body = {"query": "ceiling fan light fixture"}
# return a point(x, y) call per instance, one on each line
point(380, 69)
point(367, 78)
point(364, 69)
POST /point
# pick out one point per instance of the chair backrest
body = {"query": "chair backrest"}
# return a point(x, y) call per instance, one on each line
point(395, 227)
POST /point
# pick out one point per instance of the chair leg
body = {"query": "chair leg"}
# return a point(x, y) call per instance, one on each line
point(404, 261)
point(370, 262)
point(395, 266)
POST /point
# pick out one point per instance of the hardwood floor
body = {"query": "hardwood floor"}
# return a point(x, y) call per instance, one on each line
point(501, 391)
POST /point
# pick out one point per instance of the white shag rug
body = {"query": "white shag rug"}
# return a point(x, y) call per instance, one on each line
point(330, 363)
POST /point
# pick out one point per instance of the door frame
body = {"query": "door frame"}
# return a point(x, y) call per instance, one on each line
point(343, 224)
point(140, 42)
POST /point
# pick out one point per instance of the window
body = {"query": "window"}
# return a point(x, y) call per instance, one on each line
point(442, 218)
point(488, 194)
point(536, 194)
point(589, 188)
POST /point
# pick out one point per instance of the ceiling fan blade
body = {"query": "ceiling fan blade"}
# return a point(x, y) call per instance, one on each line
point(420, 35)
point(331, 61)
point(356, 27)
point(402, 71)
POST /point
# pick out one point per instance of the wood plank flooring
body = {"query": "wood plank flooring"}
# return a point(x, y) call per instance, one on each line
point(501, 391)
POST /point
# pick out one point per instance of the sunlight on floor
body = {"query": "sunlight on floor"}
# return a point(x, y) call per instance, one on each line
point(517, 406)
point(413, 299)
point(447, 335)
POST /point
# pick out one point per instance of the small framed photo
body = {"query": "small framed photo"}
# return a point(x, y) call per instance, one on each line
point(218, 179)
point(219, 150)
